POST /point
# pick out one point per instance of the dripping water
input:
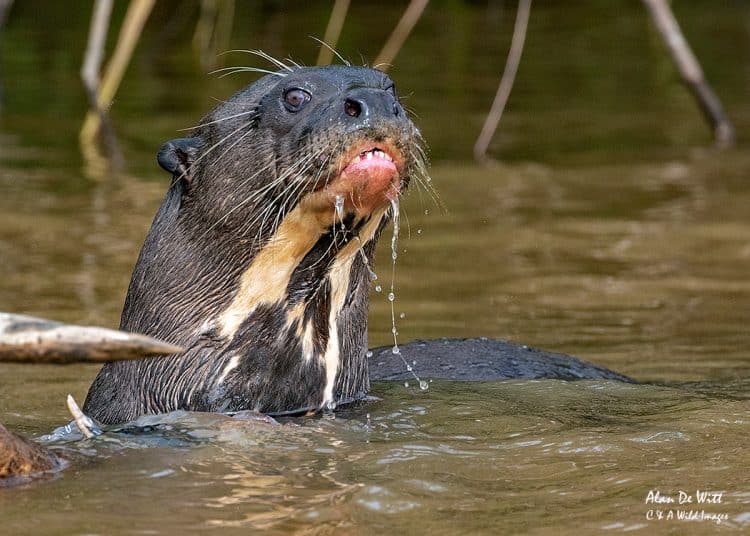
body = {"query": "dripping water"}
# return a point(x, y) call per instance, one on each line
point(339, 207)
point(366, 261)
point(392, 297)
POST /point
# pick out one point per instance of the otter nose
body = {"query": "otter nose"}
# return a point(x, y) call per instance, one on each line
point(364, 103)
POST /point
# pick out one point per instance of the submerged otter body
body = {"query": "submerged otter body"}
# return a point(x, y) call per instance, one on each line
point(257, 260)
point(484, 359)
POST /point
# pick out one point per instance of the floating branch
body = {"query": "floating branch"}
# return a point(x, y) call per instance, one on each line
point(400, 33)
point(690, 70)
point(506, 82)
point(27, 339)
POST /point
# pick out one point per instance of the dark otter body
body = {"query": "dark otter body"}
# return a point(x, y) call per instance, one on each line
point(257, 260)
point(483, 360)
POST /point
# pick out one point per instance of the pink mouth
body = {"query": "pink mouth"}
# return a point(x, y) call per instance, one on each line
point(371, 178)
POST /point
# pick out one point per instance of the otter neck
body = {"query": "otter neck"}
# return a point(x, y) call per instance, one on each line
point(310, 273)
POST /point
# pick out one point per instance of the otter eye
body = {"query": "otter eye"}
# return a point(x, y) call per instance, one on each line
point(295, 98)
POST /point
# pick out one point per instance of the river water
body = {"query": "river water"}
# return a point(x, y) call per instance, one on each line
point(609, 228)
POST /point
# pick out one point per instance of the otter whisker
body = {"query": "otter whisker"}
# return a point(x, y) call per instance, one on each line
point(316, 180)
point(239, 205)
point(235, 142)
point(288, 193)
point(329, 47)
point(266, 212)
point(210, 149)
point(411, 111)
point(257, 194)
point(227, 118)
point(294, 191)
point(273, 183)
point(433, 195)
point(280, 64)
point(422, 176)
point(228, 71)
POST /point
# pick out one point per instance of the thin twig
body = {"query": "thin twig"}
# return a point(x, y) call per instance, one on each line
point(135, 18)
point(506, 82)
point(690, 70)
point(400, 33)
point(84, 423)
point(91, 66)
point(5, 6)
point(213, 31)
point(333, 31)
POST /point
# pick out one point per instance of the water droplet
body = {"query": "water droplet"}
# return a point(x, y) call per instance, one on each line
point(414, 362)
point(339, 206)
point(406, 384)
point(394, 255)
point(378, 288)
point(391, 296)
point(402, 315)
point(419, 231)
point(409, 368)
point(426, 212)
point(373, 276)
point(423, 385)
point(394, 330)
point(368, 353)
point(395, 350)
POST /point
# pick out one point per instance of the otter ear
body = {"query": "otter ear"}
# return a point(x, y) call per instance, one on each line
point(176, 156)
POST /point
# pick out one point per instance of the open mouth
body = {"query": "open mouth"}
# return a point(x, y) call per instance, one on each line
point(372, 154)
point(369, 176)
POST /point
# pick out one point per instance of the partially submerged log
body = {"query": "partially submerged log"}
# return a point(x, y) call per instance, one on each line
point(28, 339)
point(21, 457)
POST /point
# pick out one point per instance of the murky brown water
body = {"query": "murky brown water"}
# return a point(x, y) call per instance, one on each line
point(611, 231)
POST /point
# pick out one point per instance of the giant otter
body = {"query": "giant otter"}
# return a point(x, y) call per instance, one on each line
point(257, 260)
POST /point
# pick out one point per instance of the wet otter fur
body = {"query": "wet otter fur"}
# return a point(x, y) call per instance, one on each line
point(257, 260)
point(250, 265)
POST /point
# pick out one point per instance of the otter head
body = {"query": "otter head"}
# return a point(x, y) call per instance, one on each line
point(257, 260)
